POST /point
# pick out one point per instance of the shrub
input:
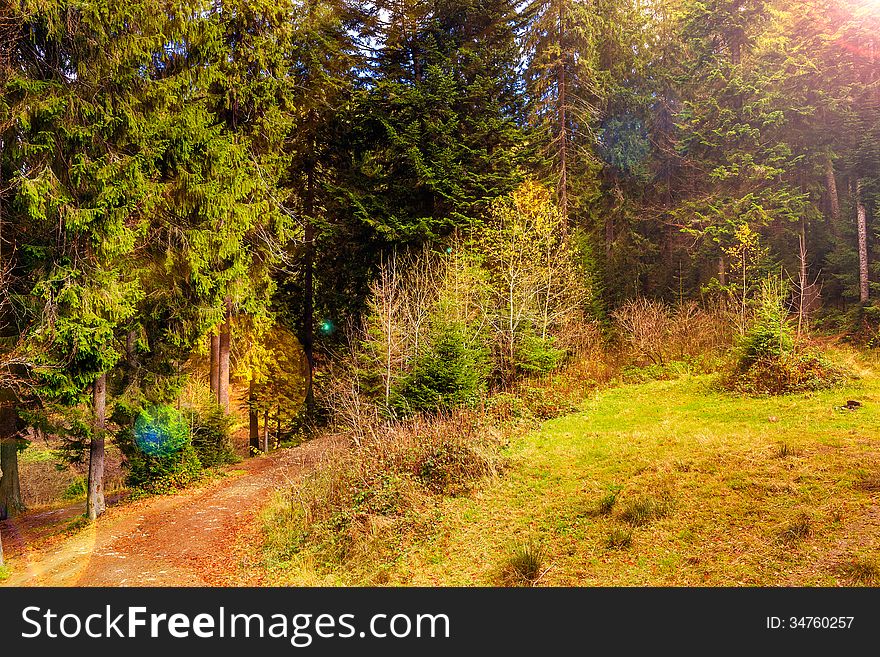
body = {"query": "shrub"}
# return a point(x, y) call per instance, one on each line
point(356, 507)
point(769, 361)
point(538, 356)
point(451, 371)
point(546, 403)
point(645, 325)
point(659, 333)
point(770, 334)
point(77, 489)
point(806, 371)
point(158, 451)
point(211, 436)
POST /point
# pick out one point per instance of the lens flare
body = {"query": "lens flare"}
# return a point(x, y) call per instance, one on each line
point(160, 431)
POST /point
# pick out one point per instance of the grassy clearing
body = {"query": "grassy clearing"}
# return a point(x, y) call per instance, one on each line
point(671, 483)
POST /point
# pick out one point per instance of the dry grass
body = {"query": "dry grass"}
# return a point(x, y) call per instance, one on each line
point(46, 480)
point(353, 513)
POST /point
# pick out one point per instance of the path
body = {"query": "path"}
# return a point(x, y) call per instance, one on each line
point(204, 536)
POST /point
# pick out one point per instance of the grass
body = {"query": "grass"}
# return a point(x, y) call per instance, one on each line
point(642, 510)
point(619, 539)
point(4, 573)
point(717, 456)
point(861, 571)
point(525, 564)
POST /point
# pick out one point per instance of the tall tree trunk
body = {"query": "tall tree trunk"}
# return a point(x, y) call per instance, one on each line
point(10, 488)
point(308, 319)
point(266, 431)
point(95, 502)
point(803, 284)
point(223, 359)
point(561, 118)
point(11, 503)
point(722, 270)
point(862, 221)
point(833, 196)
point(214, 375)
point(253, 421)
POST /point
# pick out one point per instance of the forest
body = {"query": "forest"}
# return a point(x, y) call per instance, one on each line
point(431, 241)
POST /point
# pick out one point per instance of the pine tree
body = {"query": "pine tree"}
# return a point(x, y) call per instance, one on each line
point(564, 92)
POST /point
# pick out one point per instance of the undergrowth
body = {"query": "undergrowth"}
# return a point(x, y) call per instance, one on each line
point(357, 509)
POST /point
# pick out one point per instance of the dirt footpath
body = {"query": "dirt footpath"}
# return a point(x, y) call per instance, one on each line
point(204, 536)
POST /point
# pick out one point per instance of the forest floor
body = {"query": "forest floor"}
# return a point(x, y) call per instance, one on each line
point(203, 536)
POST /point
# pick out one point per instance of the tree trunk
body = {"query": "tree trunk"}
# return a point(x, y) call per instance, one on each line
point(802, 279)
point(862, 220)
point(266, 431)
point(308, 319)
point(833, 196)
point(11, 503)
point(722, 270)
point(253, 421)
point(223, 359)
point(214, 375)
point(95, 502)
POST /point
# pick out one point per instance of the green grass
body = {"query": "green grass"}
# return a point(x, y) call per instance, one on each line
point(702, 485)
point(4, 573)
point(704, 494)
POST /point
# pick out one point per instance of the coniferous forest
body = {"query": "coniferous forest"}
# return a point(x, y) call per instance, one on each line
point(505, 292)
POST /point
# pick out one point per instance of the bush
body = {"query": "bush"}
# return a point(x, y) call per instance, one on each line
point(790, 373)
point(769, 362)
point(537, 356)
point(211, 436)
point(158, 451)
point(451, 371)
point(77, 489)
point(658, 333)
point(770, 334)
point(357, 508)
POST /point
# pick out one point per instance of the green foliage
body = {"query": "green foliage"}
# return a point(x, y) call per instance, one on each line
point(450, 371)
point(793, 372)
point(770, 334)
point(77, 489)
point(769, 361)
point(212, 436)
point(538, 356)
point(158, 450)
